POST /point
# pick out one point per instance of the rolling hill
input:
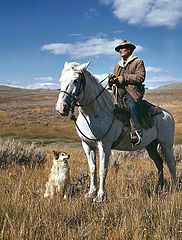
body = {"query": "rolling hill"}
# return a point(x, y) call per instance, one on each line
point(8, 94)
point(31, 114)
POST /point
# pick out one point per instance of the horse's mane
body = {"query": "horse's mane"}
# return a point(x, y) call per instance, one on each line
point(106, 97)
point(94, 83)
point(91, 76)
point(95, 79)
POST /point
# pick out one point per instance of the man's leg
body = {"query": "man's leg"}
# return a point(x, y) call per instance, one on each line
point(136, 135)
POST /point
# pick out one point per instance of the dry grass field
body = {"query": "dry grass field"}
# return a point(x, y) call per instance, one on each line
point(132, 211)
point(31, 115)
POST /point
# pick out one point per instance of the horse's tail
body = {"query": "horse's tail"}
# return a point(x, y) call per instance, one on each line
point(166, 130)
point(162, 153)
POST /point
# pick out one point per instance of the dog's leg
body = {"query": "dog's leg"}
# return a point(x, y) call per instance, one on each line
point(46, 194)
point(60, 188)
point(63, 193)
point(49, 190)
point(66, 188)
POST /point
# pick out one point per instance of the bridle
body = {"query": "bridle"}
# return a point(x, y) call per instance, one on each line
point(80, 90)
point(75, 104)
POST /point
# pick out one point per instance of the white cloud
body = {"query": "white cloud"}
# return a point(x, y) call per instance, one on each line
point(106, 1)
point(154, 69)
point(118, 31)
point(102, 78)
point(92, 47)
point(44, 79)
point(148, 12)
point(11, 85)
point(75, 34)
point(43, 85)
point(57, 48)
point(163, 79)
point(152, 82)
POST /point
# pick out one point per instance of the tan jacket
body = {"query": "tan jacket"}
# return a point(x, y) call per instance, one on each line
point(134, 74)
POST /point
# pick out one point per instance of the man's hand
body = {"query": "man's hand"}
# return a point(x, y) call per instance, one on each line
point(120, 79)
point(112, 79)
point(115, 80)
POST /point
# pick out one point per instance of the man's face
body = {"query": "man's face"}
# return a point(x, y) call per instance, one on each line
point(124, 53)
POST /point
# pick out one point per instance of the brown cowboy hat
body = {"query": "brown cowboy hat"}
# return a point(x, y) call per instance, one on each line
point(125, 44)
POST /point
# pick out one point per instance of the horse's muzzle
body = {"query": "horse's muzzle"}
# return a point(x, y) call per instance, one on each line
point(64, 110)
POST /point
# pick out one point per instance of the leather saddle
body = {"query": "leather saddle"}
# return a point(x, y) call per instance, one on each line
point(146, 111)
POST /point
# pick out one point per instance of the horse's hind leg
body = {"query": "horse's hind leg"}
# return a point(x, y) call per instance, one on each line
point(154, 155)
point(167, 150)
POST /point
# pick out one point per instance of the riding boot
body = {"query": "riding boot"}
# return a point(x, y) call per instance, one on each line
point(135, 134)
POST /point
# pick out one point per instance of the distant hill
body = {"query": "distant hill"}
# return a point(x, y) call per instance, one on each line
point(31, 114)
point(168, 87)
point(13, 94)
point(17, 95)
point(6, 90)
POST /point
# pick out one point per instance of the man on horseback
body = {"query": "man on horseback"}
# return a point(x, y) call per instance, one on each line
point(126, 82)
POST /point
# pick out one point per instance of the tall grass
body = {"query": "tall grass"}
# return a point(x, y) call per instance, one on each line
point(132, 210)
point(12, 152)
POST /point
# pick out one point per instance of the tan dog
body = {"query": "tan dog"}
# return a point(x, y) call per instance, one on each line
point(59, 176)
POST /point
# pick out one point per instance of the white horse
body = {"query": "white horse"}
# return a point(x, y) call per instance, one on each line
point(99, 129)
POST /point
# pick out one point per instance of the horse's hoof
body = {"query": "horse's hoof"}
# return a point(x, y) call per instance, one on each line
point(90, 196)
point(100, 199)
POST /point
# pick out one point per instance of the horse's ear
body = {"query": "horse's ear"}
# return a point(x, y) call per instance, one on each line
point(87, 64)
point(82, 66)
point(66, 64)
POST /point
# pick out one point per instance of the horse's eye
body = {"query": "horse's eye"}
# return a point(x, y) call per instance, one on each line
point(75, 81)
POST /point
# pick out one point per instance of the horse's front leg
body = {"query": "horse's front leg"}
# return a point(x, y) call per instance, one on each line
point(91, 156)
point(104, 154)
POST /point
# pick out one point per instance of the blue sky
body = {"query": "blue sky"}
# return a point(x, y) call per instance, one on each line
point(38, 36)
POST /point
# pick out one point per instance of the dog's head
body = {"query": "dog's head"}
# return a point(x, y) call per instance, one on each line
point(61, 155)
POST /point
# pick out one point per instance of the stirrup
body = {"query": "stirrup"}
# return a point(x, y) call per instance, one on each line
point(136, 138)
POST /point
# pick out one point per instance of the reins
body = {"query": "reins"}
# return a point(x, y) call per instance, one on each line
point(91, 139)
point(84, 105)
point(74, 104)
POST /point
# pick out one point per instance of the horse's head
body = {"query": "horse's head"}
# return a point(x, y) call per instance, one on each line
point(72, 84)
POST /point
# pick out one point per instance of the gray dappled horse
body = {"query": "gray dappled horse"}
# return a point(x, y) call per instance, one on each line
point(98, 128)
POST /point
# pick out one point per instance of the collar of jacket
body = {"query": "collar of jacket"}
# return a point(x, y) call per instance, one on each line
point(130, 59)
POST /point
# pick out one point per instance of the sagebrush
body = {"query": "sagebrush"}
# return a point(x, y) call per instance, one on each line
point(132, 210)
point(14, 152)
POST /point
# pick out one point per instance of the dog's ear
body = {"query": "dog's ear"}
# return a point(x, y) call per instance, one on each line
point(56, 154)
